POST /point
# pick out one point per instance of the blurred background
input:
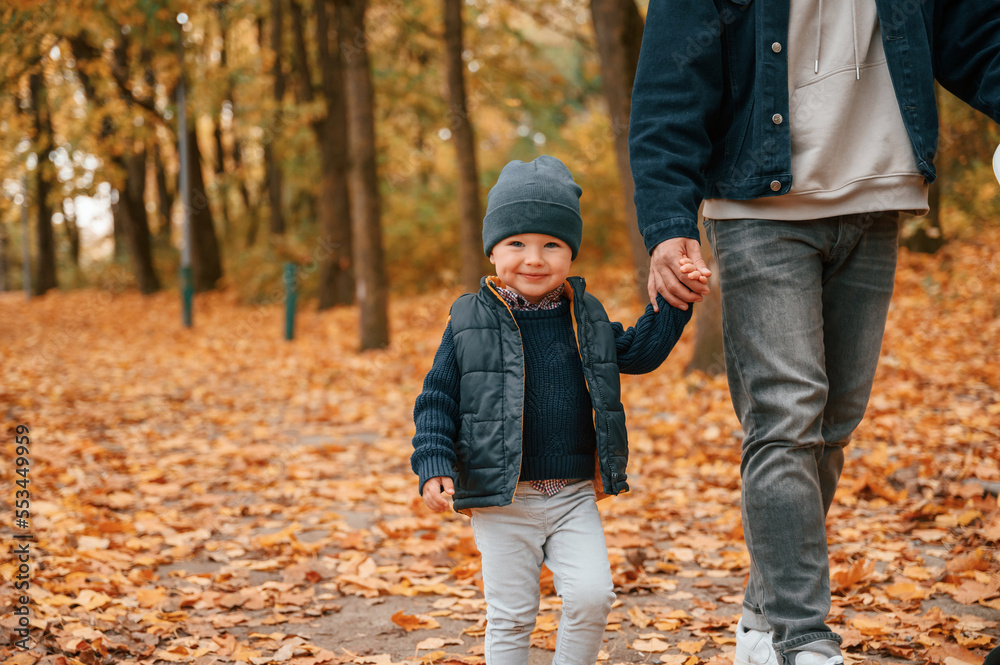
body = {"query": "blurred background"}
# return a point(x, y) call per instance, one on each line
point(354, 138)
point(195, 490)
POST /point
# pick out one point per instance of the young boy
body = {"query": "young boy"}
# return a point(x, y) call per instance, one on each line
point(521, 410)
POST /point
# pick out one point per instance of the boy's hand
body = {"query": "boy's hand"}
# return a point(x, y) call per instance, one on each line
point(669, 278)
point(690, 272)
point(436, 493)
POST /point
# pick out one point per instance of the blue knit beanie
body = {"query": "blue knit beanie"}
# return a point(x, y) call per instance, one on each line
point(535, 197)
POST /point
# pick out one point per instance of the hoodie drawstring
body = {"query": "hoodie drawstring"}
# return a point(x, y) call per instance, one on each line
point(819, 33)
point(854, 36)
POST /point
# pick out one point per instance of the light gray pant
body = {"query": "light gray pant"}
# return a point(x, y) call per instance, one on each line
point(564, 532)
point(804, 306)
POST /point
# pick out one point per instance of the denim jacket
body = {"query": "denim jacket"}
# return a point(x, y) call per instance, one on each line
point(713, 73)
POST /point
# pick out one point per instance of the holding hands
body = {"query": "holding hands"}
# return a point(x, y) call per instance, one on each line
point(678, 273)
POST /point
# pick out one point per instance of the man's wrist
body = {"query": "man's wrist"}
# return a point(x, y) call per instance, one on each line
point(668, 229)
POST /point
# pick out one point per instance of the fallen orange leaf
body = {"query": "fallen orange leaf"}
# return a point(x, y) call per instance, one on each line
point(654, 645)
point(691, 647)
point(410, 622)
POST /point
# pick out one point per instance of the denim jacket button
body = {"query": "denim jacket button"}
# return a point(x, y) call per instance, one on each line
point(775, 185)
point(776, 47)
point(776, 118)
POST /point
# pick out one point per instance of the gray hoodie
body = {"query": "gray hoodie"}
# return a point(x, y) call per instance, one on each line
point(850, 151)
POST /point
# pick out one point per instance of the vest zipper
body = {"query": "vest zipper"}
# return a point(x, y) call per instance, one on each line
point(588, 365)
point(524, 373)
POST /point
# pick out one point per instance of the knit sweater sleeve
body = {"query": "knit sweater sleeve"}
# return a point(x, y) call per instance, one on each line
point(644, 346)
point(436, 416)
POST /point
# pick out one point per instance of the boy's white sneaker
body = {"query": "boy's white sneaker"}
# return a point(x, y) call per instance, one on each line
point(813, 658)
point(753, 647)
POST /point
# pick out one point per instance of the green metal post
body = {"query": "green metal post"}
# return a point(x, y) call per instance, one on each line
point(187, 293)
point(291, 295)
point(184, 181)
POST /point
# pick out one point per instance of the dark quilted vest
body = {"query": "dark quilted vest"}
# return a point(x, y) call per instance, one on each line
point(491, 362)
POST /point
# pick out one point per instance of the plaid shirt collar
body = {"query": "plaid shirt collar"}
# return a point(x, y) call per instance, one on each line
point(516, 301)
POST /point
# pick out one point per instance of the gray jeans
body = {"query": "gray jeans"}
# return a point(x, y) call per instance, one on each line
point(564, 531)
point(804, 306)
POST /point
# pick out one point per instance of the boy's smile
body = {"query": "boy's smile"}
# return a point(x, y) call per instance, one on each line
point(532, 264)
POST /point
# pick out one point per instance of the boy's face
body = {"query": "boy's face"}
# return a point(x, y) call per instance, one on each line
point(532, 264)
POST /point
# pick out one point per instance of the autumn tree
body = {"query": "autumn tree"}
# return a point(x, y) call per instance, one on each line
point(206, 255)
point(449, 108)
point(274, 173)
point(229, 162)
point(618, 27)
point(45, 269)
point(118, 82)
point(366, 216)
point(130, 209)
point(470, 252)
point(337, 271)
point(329, 127)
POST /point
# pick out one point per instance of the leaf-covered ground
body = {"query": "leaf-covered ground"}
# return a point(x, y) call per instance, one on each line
point(220, 495)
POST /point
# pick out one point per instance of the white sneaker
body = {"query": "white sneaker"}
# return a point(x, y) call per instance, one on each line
point(813, 658)
point(753, 647)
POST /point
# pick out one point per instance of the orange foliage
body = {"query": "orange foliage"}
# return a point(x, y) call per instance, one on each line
point(194, 492)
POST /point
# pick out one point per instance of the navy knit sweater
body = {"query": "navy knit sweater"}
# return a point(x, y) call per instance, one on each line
point(558, 438)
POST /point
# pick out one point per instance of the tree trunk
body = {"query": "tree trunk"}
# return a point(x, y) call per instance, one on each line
point(708, 356)
point(618, 26)
point(470, 237)
point(248, 207)
point(166, 200)
point(305, 204)
point(131, 202)
point(235, 177)
point(119, 241)
point(253, 227)
point(304, 92)
point(336, 272)
point(254, 221)
point(206, 263)
point(72, 238)
point(130, 211)
point(4, 263)
point(366, 223)
point(274, 175)
point(221, 176)
point(122, 237)
point(45, 276)
point(929, 237)
point(222, 182)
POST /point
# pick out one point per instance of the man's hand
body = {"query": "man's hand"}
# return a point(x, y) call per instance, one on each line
point(678, 273)
point(436, 493)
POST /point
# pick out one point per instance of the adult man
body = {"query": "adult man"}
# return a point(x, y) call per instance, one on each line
point(806, 127)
